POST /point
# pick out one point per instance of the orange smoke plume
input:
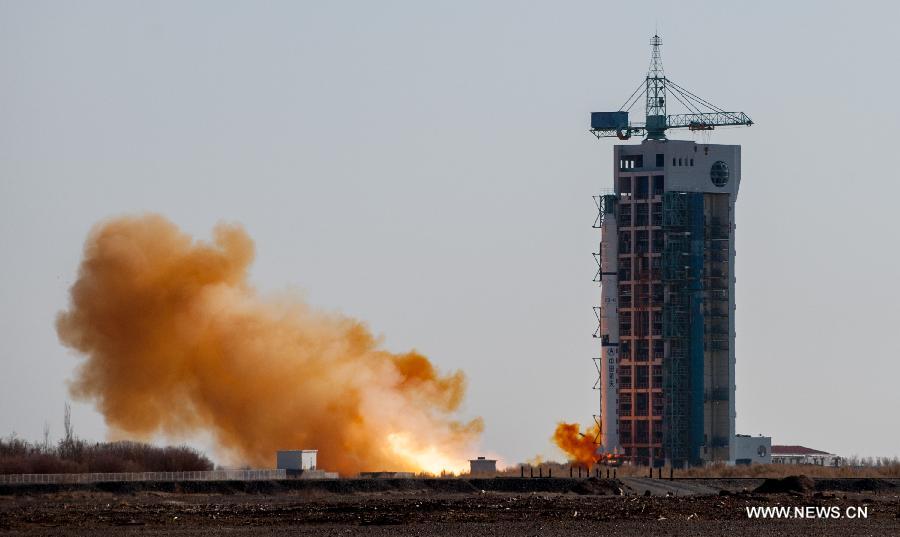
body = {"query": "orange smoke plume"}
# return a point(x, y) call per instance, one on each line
point(178, 343)
point(580, 448)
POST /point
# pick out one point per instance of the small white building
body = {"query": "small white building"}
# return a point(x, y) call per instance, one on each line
point(296, 460)
point(804, 455)
point(482, 466)
point(752, 449)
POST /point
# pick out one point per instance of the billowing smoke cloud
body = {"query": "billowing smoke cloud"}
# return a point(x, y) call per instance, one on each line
point(578, 447)
point(177, 343)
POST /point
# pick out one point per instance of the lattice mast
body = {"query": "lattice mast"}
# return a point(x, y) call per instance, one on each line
point(656, 89)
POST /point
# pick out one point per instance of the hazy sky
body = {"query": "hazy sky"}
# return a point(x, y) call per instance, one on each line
point(426, 167)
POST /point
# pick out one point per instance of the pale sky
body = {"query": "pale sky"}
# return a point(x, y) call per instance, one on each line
point(427, 167)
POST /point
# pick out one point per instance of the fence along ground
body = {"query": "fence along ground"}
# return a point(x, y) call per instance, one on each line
point(207, 475)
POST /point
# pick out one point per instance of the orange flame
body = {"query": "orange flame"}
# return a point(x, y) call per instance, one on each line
point(580, 448)
point(178, 343)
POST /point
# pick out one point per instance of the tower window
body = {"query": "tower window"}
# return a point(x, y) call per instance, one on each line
point(658, 243)
point(642, 215)
point(624, 215)
point(658, 185)
point(642, 354)
point(642, 187)
point(642, 244)
point(660, 160)
point(641, 406)
point(631, 162)
point(624, 302)
point(656, 218)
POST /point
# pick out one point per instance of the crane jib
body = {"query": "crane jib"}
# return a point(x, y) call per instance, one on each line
point(659, 91)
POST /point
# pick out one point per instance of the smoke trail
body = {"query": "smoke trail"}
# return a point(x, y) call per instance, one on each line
point(177, 343)
point(580, 448)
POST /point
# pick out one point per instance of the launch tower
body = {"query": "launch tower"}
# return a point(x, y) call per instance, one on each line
point(666, 270)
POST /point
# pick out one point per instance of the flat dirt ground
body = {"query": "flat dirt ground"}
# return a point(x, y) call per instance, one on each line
point(451, 507)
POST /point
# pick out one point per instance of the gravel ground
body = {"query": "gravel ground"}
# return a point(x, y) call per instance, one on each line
point(433, 513)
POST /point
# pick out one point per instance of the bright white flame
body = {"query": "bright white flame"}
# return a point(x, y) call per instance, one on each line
point(428, 459)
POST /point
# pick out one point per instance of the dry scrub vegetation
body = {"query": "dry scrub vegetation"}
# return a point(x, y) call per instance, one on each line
point(74, 455)
point(853, 467)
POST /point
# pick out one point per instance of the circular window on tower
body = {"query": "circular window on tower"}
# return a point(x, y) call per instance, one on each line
point(719, 173)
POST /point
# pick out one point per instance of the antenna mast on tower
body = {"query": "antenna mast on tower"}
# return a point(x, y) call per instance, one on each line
point(656, 94)
point(701, 115)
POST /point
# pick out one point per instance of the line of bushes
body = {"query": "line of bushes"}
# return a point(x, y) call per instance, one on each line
point(74, 455)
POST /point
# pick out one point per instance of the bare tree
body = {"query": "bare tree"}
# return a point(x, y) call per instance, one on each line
point(67, 424)
point(45, 446)
point(67, 445)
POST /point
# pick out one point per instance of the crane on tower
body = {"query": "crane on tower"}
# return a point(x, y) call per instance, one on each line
point(656, 89)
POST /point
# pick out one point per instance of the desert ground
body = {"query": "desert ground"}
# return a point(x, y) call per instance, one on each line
point(431, 507)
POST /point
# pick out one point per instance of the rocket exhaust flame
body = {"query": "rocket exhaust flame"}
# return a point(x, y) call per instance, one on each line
point(583, 448)
point(178, 343)
point(579, 447)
